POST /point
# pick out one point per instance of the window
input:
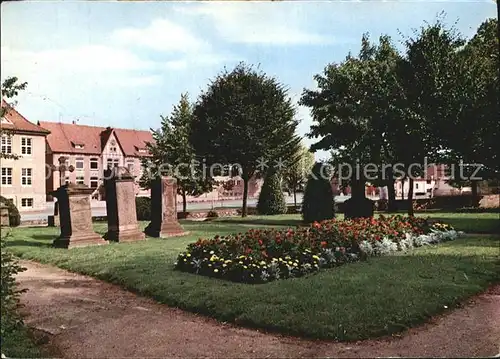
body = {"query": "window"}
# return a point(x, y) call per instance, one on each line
point(130, 166)
point(79, 163)
point(113, 162)
point(79, 147)
point(6, 144)
point(428, 181)
point(66, 180)
point(26, 202)
point(26, 178)
point(6, 175)
point(26, 144)
point(94, 164)
point(94, 182)
point(416, 185)
point(80, 180)
point(112, 149)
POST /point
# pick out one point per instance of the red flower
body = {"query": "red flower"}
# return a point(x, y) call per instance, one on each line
point(260, 242)
point(324, 244)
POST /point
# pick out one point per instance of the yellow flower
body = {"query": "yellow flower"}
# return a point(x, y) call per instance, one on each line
point(224, 265)
point(188, 255)
point(245, 267)
point(262, 263)
point(228, 261)
point(290, 262)
point(240, 262)
point(185, 260)
point(295, 264)
point(216, 270)
point(211, 252)
point(209, 265)
point(316, 257)
point(287, 257)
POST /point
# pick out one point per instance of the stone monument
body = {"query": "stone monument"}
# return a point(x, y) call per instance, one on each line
point(164, 221)
point(120, 206)
point(4, 215)
point(75, 217)
point(53, 220)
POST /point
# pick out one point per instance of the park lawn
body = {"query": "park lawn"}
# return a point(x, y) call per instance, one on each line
point(356, 301)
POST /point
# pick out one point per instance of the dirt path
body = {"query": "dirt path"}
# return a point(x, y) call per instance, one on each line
point(85, 317)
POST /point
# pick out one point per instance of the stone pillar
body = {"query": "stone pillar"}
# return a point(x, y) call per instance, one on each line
point(120, 206)
point(164, 221)
point(75, 217)
point(4, 216)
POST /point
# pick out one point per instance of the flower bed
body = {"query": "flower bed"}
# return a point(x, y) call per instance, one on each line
point(259, 255)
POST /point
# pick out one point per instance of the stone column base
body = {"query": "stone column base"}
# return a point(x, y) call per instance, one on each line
point(165, 230)
point(90, 239)
point(131, 235)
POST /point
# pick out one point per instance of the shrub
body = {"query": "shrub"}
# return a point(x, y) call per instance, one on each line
point(212, 214)
point(271, 198)
point(259, 256)
point(14, 216)
point(318, 202)
point(9, 294)
point(143, 208)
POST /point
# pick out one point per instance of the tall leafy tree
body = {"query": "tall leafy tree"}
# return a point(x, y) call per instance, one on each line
point(429, 74)
point(475, 138)
point(351, 107)
point(297, 169)
point(244, 118)
point(173, 154)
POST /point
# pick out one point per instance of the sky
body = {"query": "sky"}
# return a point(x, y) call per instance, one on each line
point(123, 64)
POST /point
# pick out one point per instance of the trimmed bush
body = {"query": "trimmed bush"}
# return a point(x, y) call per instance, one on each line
point(14, 216)
point(271, 198)
point(143, 208)
point(318, 203)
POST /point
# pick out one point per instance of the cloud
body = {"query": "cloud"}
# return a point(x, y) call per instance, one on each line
point(89, 58)
point(160, 35)
point(257, 23)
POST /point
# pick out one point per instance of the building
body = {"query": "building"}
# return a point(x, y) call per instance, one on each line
point(91, 150)
point(433, 183)
point(22, 179)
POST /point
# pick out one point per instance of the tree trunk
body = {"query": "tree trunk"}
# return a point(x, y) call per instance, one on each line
point(410, 197)
point(295, 197)
point(475, 197)
point(391, 191)
point(403, 188)
point(184, 202)
point(245, 194)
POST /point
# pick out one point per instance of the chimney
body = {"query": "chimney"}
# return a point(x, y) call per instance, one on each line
point(73, 122)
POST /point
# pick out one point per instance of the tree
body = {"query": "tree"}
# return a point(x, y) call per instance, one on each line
point(476, 124)
point(351, 109)
point(271, 198)
point(10, 90)
point(318, 203)
point(295, 173)
point(244, 120)
point(173, 154)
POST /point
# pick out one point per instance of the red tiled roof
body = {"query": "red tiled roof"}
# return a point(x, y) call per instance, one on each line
point(18, 122)
point(64, 136)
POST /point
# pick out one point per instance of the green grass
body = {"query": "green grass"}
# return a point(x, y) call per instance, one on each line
point(20, 344)
point(360, 300)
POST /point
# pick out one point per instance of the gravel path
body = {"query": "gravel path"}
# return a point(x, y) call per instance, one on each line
point(82, 317)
